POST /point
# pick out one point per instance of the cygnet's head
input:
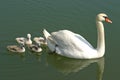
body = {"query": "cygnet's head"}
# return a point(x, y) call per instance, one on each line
point(28, 36)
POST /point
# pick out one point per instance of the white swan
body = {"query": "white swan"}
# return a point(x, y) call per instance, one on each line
point(69, 44)
point(27, 40)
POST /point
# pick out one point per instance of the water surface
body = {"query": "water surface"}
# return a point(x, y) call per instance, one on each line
point(19, 17)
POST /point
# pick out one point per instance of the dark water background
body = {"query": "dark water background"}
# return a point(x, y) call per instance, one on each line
point(19, 17)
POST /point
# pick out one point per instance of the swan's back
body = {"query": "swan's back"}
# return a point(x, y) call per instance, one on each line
point(66, 38)
point(67, 43)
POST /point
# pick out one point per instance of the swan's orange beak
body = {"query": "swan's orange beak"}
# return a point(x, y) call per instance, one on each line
point(108, 20)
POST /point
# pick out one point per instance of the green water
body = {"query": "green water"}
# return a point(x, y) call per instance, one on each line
point(19, 17)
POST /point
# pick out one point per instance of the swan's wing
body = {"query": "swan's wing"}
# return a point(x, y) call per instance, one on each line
point(68, 39)
point(60, 38)
point(84, 40)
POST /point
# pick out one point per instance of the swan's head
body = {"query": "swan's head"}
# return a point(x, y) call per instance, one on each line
point(103, 17)
point(28, 36)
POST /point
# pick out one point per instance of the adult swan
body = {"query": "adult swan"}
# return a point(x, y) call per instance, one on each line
point(72, 45)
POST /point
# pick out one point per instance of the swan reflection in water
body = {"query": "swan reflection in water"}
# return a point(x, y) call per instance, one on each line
point(67, 65)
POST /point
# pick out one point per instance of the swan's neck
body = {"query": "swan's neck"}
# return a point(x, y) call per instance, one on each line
point(101, 39)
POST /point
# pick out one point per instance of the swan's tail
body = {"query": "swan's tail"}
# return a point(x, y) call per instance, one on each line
point(50, 42)
point(46, 34)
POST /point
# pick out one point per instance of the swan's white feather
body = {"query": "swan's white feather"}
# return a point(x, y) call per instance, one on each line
point(65, 38)
point(83, 40)
point(69, 44)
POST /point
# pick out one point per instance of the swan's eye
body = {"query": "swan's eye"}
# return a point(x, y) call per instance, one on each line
point(105, 17)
